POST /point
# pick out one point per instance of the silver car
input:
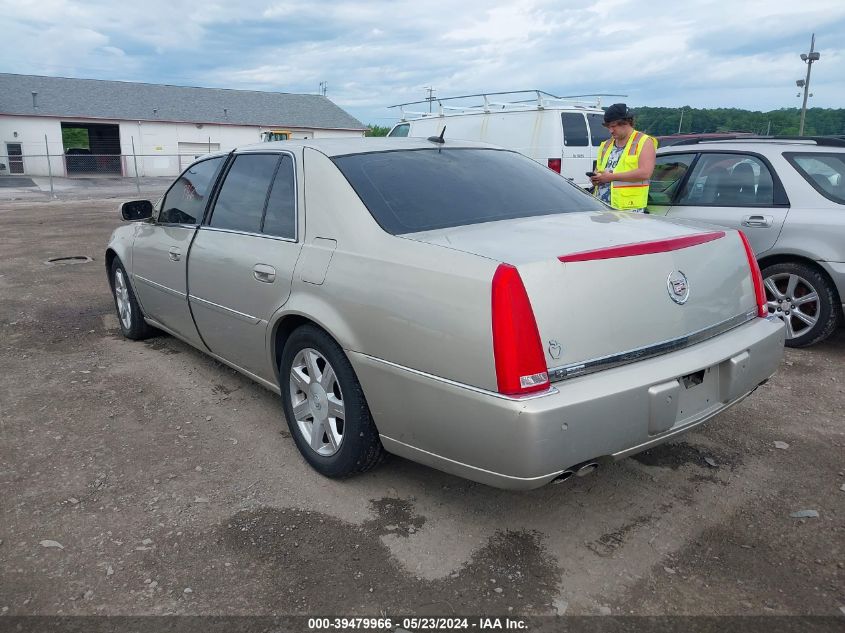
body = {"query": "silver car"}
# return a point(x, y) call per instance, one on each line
point(456, 304)
point(788, 195)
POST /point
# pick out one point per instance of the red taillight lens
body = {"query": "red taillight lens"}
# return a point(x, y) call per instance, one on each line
point(520, 364)
point(756, 276)
point(554, 164)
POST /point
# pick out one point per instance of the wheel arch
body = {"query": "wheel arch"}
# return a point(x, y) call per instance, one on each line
point(790, 258)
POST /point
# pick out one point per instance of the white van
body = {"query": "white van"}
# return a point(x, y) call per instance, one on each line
point(559, 132)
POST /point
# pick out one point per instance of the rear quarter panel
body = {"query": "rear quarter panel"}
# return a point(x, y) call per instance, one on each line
point(417, 305)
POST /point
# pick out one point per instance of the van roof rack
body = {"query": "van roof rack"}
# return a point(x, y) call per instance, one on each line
point(539, 101)
point(821, 141)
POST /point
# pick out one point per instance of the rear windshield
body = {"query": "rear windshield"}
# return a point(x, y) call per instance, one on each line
point(826, 172)
point(421, 190)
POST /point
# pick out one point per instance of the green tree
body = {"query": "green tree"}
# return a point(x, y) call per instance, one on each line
point(377, 130)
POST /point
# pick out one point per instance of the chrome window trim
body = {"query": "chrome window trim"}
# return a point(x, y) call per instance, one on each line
point(583, 368)
point(494, 394)
point(171, 291)
point(205, 227)
point(228, 311)
point(209, 215)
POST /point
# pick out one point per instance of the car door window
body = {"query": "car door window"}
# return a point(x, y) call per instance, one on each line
point(729, 180)
point(574, 129)
point(185, 201)
point(280, 217)
point(669, 172)
point(243, 195)
point(400, 130)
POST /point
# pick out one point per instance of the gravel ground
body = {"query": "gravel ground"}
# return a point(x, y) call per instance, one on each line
point(146, 478)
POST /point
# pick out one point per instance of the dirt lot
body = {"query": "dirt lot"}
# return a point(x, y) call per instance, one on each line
point(170, 484)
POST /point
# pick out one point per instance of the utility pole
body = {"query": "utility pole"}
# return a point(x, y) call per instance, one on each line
point(681, 121)
point(807, 58)
point(430, 96)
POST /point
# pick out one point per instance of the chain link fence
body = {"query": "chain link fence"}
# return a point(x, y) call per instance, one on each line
point(78, 169)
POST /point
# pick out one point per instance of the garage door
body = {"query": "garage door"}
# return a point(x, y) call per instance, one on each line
point(189, 152)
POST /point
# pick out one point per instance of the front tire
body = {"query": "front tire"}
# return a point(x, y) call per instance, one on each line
point(325, 406)
point(804, 299)
point(129, 315)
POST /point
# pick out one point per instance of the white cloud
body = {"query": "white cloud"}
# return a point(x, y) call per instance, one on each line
point(379, 52)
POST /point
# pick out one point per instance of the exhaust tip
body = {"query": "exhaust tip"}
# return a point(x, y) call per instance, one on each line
point(566, 474)
point(587, 469)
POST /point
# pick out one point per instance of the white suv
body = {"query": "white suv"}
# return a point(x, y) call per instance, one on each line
point(788, 196)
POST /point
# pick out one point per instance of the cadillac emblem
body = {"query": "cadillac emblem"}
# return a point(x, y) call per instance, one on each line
point(678, 287)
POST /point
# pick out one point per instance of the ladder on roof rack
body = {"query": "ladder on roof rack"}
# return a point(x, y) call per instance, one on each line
point(540, 101)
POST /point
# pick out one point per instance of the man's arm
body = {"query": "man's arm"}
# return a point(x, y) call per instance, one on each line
point(647, 159)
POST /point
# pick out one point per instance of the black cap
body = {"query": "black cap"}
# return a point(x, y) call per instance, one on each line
point(617, 112)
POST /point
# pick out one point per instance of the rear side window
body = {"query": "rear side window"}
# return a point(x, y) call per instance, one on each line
point(598, 133)
point(240, 204)
point(400, 130)
point(185, 202)
point(419, 190)
point(825, 172)
point(280, 218)
point(729, 180)
point(574, 129)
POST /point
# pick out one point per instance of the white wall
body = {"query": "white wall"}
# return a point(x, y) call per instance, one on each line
point(156, 143)
point(30, 134)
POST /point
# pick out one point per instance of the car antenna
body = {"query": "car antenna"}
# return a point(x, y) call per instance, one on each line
point(438, 139)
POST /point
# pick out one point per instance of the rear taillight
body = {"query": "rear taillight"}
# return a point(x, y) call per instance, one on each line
point(554, 164)
point(520, 364)
point(756, 276)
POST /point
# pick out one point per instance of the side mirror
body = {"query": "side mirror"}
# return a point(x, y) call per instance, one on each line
point(136, 210)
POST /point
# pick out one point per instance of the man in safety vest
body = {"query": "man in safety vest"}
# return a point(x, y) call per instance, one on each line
point(624, 163)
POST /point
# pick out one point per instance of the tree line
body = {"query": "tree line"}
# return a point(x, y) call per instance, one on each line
point(783, 122)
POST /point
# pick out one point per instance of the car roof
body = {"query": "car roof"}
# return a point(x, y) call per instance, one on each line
point(759, 145)
point(361, 145)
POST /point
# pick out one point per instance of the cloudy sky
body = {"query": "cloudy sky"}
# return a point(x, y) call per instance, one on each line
point(374, 53)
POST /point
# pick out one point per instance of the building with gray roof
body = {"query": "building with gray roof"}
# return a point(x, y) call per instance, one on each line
point(101, 122)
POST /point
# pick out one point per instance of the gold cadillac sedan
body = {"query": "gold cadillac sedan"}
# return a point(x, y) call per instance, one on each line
point(454, 303)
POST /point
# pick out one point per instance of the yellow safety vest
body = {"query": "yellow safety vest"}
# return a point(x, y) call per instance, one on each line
point(626, 195)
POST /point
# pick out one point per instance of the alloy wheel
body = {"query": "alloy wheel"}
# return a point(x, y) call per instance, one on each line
point(317, 402)
point(795, 300)
point(121, 294)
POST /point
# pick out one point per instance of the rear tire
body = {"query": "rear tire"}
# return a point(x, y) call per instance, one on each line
point(129, 315)
point(804, 299)
point(325, 406)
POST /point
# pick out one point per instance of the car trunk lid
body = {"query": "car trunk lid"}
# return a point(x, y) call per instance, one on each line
point(607, 288)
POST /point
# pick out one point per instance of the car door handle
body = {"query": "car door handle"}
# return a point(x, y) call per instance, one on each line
point(761, 221)
point(264, 273)
point(174, 253)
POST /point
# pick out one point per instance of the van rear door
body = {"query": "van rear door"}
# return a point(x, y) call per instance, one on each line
point(576, 148)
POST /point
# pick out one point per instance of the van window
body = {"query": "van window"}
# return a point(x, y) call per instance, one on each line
point(825, 172)
point(400, 130)
point(598, 133)
point(574, 129)
point(408, 191)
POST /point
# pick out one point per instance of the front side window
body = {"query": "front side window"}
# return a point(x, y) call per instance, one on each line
point(598, 133)
point(185, 202)
point(669, 172)
point(574, 129)
point(729, 180)
point(243, 195)
point(400, 130)
point(419, 190)
point(825, 172)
